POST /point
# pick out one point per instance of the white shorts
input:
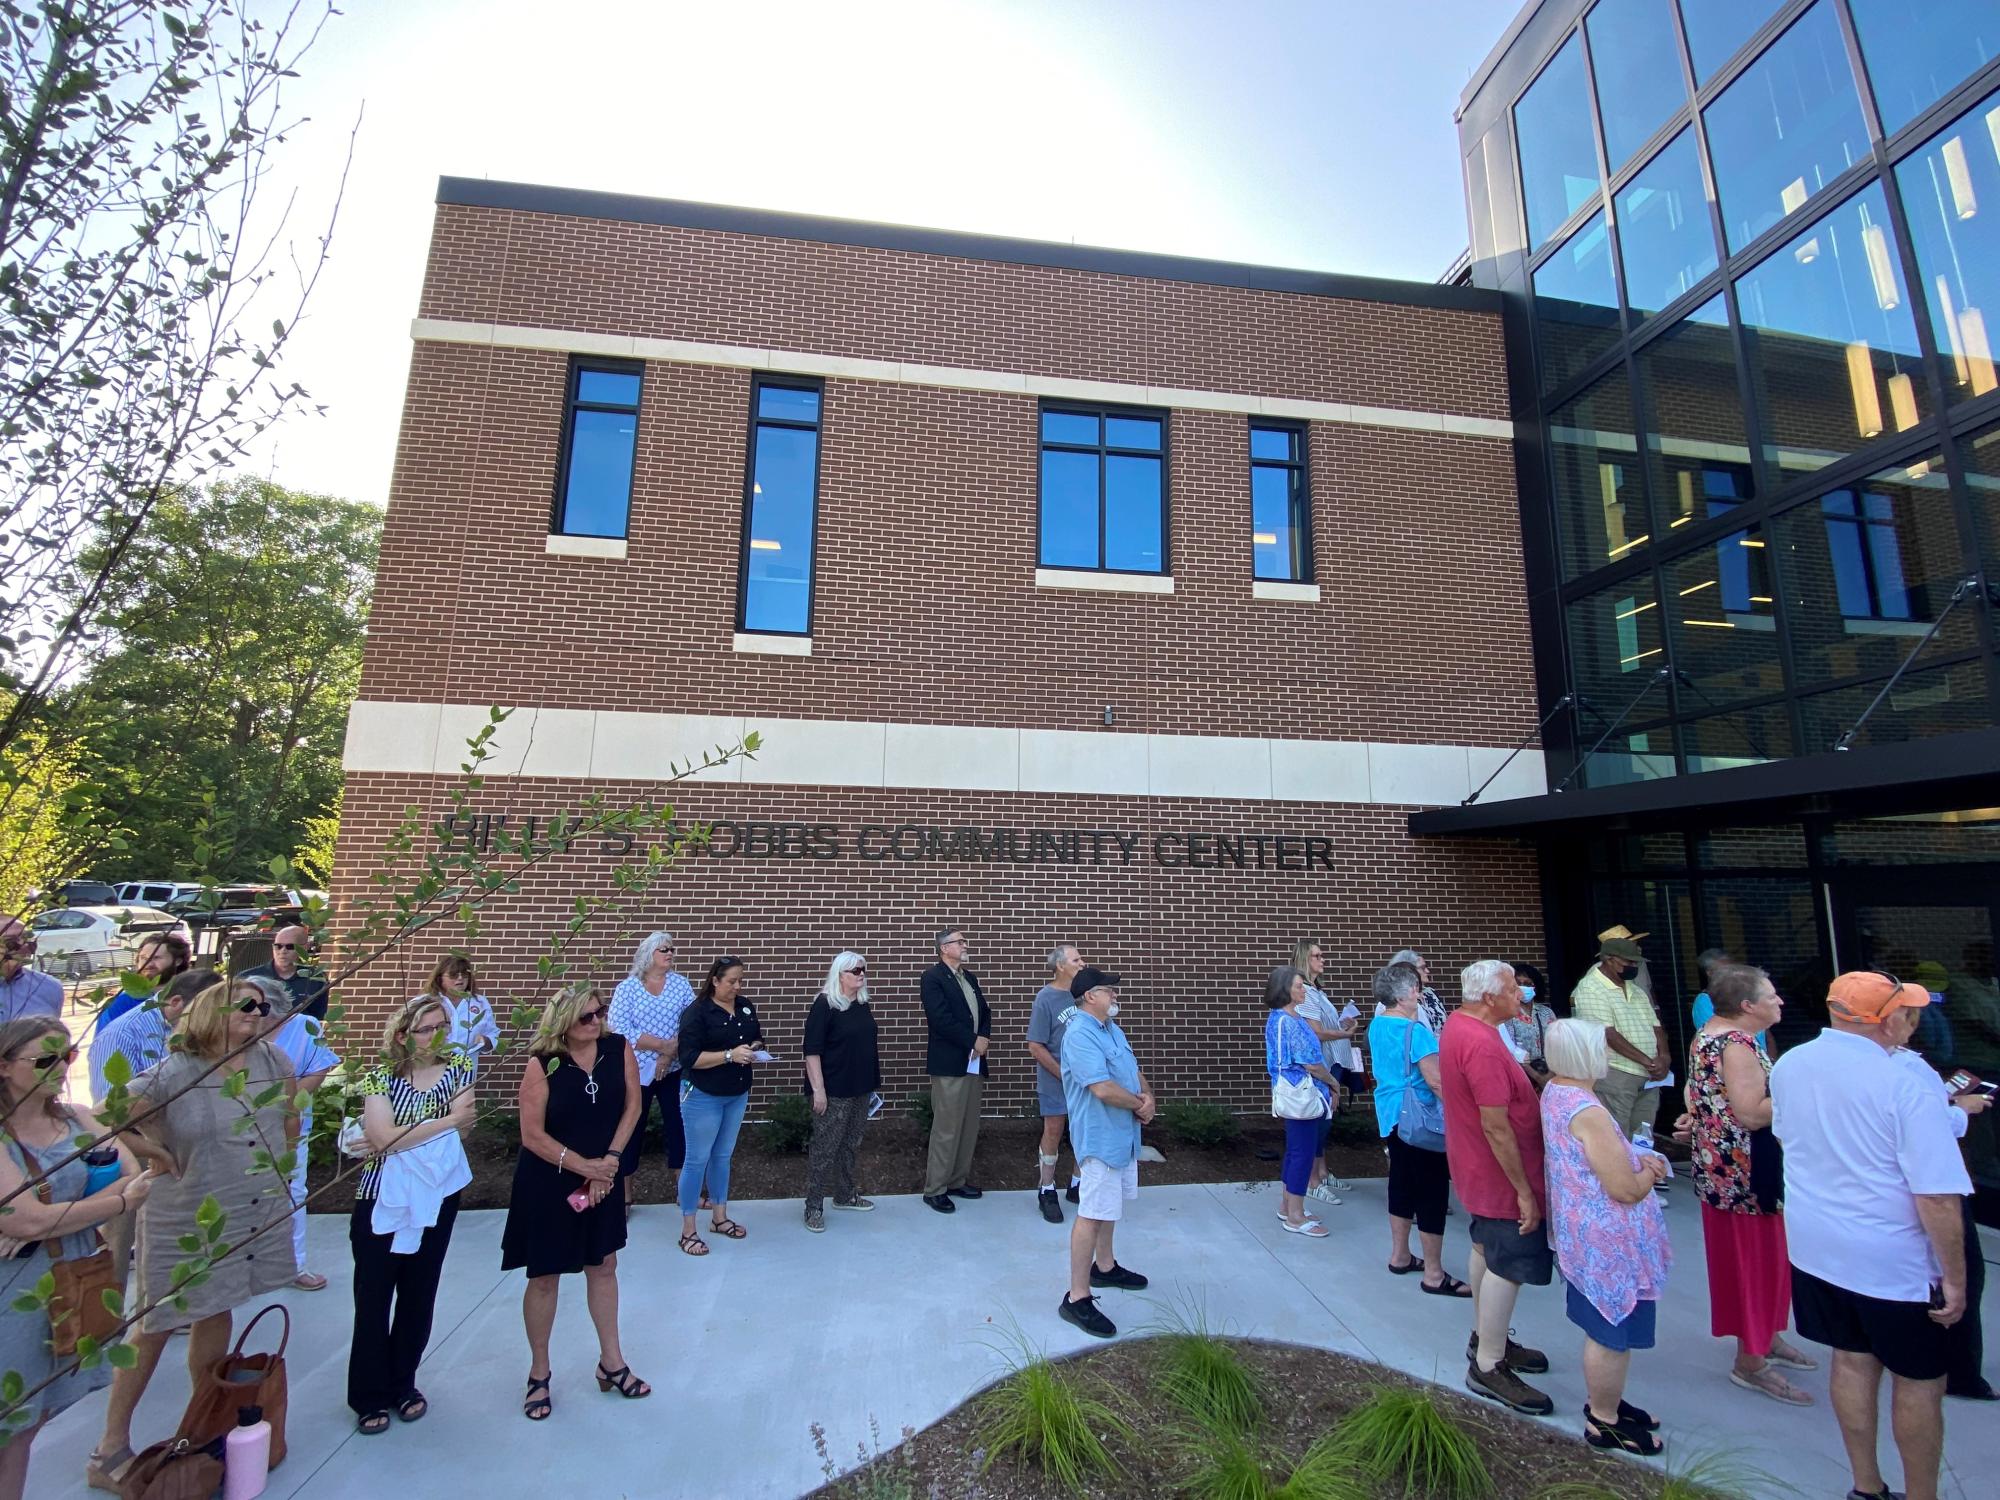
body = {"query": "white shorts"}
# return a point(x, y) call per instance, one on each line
point(1104, 1191)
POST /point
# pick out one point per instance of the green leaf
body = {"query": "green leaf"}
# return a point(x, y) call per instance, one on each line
point(122, 1357)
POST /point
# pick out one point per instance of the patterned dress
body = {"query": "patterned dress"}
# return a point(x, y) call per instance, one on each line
point(1721, 1144)
point(1615, 1254)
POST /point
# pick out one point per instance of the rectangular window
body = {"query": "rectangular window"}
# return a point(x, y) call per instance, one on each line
point(778, 510)
point(1280, 515)
point(600, 439)
point(1918, 50)
point(1104, 489)
point(1944, 183)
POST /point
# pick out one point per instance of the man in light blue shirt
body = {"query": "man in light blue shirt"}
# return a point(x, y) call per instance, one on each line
point(1108, 1102)
point(297, 1036)
point(24, 989)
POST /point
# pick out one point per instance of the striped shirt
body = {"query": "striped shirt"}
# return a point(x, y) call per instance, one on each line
point(139, 1036)
point(1624, 1008)
point(409, 1105)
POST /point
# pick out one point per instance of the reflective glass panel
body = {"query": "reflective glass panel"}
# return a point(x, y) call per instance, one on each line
point(1927, 702)
point(1773, 846)
point(607, 388)
point(777, 576)
point(1070, 427)
point(1615, 651)
point(597, 489)
point(1132, 515)
point(1786, 127)
point(1277, 523)
point(787, 404)
point(1981, 453)
point(1664, 231)
point(1576, 304)
point(1830, 340)
point(1716, 29)
point(1638, 79)
point(1594, 459)
point(1773, 922)
point(1741, 737)
point(1917, 51)
point(1725, 626)
point(1132, 432)
point(1069, 509)
point(1697, 451)
point(1279, 444)
point(1558, 155)
point(1957, 836)
point(1944, 186)
point(1867, 568)
point(1628, 756)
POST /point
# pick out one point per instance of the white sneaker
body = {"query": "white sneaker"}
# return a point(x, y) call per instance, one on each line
point(1338, 1184)
point(1324, 1192)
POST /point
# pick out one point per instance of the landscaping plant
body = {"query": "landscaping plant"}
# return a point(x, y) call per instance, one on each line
point(1226, 1466)
point(1198, 1124)
point(1204, 1376)
point(788, 1124)
point(1043, 1421)
point(1324, 1473)
point(1405, 1435)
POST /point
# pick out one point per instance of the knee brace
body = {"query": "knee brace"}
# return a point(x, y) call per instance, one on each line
point(1045, 1159)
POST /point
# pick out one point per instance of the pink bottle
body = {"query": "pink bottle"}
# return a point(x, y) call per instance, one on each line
point(246, 1455)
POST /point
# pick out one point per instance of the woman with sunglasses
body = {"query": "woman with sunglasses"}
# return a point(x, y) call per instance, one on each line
point(579, 1106)
point(203, 1136)
point(646, 1010)
point(35, 1054)
point(843, 1067)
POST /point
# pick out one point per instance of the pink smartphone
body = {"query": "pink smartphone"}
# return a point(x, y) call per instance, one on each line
point(580, 1199)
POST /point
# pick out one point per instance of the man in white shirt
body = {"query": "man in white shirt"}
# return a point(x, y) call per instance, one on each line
point(1872, 1218)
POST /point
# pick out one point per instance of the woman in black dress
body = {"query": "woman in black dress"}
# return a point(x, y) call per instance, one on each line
point(579, 1106)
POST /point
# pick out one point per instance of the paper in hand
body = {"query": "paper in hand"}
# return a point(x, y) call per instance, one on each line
point(972, 1063)
point(760, 1055)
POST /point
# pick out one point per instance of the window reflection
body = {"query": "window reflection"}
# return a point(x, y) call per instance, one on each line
point(1697, 451)
point(1558, 154)
point(1958, 248)
point(1638, 81)
point(1664, 232)
point(1981, 453)
point(1917, 51)
point(1725, 626)
point(1830, 340)
point(1280, 535)
point(1103, 498)
point(1717, 30)
point(1576, 304)
point(1926, 703)
point(1600, 502)
point(784, 486)
point(1741, 737)
point(1615, 652)
point(603, 434)
point(1785, 128)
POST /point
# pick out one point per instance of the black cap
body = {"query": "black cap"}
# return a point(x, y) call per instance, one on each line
point(1089, 979)
point(249, 1416)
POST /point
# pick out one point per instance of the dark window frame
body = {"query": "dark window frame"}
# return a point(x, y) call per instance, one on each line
point(760, 383)
point(580, 366)
point(1104, 449)
point(1304, 570)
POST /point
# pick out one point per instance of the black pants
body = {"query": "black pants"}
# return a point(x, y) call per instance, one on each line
point(664, 1090)
point(394, 1298)
point(1964, 1344)
point(1419, 1184)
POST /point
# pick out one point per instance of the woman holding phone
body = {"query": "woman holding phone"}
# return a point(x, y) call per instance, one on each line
point(579, 1106)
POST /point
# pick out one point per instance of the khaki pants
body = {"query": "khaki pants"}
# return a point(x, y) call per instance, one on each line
point(954, 1132)
point(1628, 1101)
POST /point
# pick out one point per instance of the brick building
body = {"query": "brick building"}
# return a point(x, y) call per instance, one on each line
point(1074, 594)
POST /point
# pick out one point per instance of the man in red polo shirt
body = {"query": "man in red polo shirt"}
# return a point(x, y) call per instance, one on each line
point(1493, 1140)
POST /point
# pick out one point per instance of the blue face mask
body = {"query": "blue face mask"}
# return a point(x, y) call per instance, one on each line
point(1527, 994)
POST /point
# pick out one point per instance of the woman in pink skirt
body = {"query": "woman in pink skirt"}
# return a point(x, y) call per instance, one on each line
point(1729, 1097)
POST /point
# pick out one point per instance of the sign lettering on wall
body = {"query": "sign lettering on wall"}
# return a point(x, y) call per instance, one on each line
point(913, 843)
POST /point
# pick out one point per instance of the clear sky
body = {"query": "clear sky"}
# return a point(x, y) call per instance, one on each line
point(1313, 133)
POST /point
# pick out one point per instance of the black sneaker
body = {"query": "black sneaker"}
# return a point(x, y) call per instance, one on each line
point(1521, 1361)
point(1086, 1316)
point(1118, 1276)
point(941, 1203)
point(1071, 1194)
point(1509, 1389)
point(1051, 1208)
point(967, 1191)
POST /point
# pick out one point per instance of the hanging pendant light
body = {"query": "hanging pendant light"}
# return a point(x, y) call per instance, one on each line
point(1861, 381)
point(1958, 173)
point(1903, 401)
point(1953, 337)
point(1876, 244)
point(1978, 352)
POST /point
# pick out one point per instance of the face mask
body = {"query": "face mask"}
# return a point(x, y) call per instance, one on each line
point(1527, 994)
point(1113, 1011)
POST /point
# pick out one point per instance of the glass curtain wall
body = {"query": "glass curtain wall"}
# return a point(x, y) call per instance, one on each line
point(1764, 296)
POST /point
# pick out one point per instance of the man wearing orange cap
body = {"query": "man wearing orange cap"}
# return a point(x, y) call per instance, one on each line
point(1873, 1181)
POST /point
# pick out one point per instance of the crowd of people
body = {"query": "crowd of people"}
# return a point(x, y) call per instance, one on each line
point(1829, 1182)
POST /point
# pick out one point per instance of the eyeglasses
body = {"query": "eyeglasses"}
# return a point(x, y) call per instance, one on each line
point(255, 1007)
point(431, 1030)
point(50, 1060)
point(286, 947)
point(664, 948)
point(589, 1017)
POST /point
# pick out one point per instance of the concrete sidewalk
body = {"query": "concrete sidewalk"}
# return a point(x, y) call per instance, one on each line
point(893, 1317)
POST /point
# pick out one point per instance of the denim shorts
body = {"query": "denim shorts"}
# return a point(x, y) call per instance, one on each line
point(1636, 1332)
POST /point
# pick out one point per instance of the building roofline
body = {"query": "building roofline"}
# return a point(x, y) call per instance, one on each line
point(475, 192)
point(1485, 70)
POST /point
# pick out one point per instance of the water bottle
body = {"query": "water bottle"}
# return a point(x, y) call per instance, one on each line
point(1642, 1137)
point(246, 1455)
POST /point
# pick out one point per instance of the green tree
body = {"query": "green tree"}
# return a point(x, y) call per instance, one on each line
point(231, 660)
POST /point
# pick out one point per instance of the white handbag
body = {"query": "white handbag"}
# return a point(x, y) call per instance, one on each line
point(1296, 1101)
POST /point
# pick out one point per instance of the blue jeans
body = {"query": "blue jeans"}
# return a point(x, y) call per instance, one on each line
point(711, 1122)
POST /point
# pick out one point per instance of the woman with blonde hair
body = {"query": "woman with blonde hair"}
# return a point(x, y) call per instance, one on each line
point(415, 1107)
point(204, 1134)
point(843, 1067)
point(82, 1195)
point(579, 1106)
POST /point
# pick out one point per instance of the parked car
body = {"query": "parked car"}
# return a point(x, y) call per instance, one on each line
point(82, 893)
point(161, 893)
point(234, 905)
point(78, 941)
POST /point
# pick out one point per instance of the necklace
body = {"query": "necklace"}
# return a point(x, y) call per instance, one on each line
point(590, 1079)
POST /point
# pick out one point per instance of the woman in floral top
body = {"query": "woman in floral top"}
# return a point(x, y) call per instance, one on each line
point(1729, 1098)
point(1292, 1054)
point(1609, 1235)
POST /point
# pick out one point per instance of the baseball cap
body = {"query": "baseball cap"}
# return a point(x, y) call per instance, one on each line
point(1868, 995)
point(1618, 947)
point(1931, 974)
point(1089, 979)
point(1623, 932)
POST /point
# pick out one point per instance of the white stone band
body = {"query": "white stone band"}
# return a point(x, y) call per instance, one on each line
point(584, 744)
point(1008, 382)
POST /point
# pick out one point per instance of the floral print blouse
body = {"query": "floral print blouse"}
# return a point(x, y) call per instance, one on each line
point(1615, 1254)
point(1721, 1144)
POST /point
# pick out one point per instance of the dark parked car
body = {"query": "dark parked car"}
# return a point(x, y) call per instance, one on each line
point(236, 906)
point(82, 893)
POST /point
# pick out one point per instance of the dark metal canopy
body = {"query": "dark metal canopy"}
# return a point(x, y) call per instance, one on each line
point(1955, 770)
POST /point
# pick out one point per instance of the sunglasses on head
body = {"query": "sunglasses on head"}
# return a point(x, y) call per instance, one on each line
point(255, 1007)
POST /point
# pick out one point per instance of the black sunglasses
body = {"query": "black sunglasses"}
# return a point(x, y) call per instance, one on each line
point(255, 1007)
point(287, 947)
point(50, 1060)
point(586, 1017)
point(859, 969)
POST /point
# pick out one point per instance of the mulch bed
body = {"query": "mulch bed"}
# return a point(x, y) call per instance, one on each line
point(892, 1160)
point(1307, 1391)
